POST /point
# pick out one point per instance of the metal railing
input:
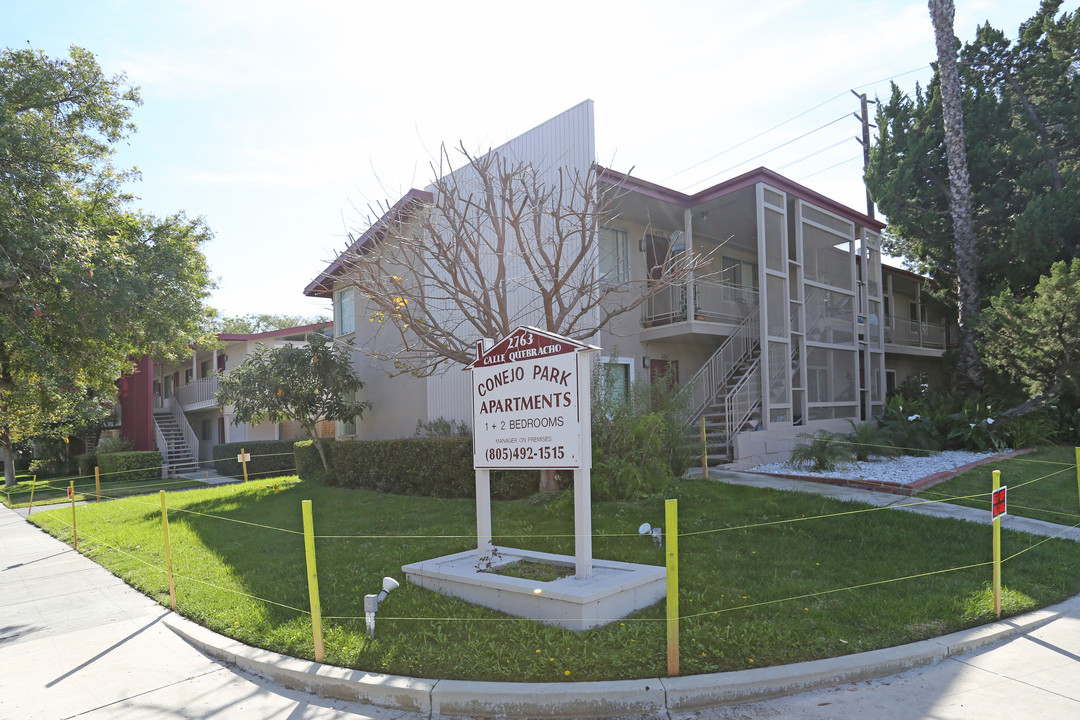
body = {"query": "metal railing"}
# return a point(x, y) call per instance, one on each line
point(899, 331)
point(711, 379)
point(190, 439)
point(743, 400)
point(163, 447)
point(201, 393)
point(699, 299)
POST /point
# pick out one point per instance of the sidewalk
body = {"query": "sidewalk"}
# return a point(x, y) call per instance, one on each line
point(896, 502)
point(77, 642)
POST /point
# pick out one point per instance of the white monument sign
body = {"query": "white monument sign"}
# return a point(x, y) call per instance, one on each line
point(532, 411)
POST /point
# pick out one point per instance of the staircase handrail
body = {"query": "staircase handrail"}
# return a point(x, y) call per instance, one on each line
point(743, 385)
point(706, 384)
point(163, 447)
point(190, 439)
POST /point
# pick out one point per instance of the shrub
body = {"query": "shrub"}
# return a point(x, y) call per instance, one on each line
point(640, 439)
point(823, 451)
point(86, 463)
point(435, 467)
point(268, 458)
point(112, 445)
point(308, 463)
point(868, 438)
point(133, 466)
point(440, 427)
point(43, 466)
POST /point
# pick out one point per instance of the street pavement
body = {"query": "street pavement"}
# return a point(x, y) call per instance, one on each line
point(76, 642)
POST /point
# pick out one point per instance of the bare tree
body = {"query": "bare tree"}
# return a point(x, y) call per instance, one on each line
point(968, 362)
point(499, 244)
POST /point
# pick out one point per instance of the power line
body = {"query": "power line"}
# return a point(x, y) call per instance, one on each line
point(785, 122)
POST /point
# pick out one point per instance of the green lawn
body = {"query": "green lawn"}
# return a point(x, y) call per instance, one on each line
point(1042, 485)
point(764, 579)
point(52, 490)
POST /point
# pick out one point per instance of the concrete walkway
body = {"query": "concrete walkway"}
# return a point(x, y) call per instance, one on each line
point(896, 502)
point(75, 641)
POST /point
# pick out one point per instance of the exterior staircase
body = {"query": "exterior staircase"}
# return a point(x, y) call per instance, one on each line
point(177, 456)
point(726, 391)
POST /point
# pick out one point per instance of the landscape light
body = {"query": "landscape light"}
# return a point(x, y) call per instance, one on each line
point(656, 533)
point(371, 603)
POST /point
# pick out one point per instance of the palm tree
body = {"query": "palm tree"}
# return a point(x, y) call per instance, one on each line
point(968, 363)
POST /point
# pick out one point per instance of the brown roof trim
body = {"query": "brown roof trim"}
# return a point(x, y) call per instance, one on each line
point(233, 337)
point(323, 286)
point(727, 187)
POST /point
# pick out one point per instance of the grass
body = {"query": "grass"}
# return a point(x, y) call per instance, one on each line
point(53, 490)
point(764, 579)
point(1042, 485)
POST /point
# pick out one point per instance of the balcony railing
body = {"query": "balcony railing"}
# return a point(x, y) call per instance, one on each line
point(899, 331)
point(199, 394)
point(699, 300)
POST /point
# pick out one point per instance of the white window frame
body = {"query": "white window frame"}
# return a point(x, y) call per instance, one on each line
point(344, 298)
point(620, 272)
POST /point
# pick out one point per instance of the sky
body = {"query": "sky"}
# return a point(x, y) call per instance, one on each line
point(287, 124)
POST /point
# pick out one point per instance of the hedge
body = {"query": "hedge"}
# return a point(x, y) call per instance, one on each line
point(86, 462)
point(268, 458)
point(436, 467)
point(130, 466)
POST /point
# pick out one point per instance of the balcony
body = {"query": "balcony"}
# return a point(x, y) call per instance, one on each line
point(905, 335)
point(199, 394)
point(699, 301)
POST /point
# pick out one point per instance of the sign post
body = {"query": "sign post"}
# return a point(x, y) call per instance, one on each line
point(532, 411)
point(998, 509)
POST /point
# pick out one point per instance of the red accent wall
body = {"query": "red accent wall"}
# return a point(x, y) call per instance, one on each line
point(137, 406)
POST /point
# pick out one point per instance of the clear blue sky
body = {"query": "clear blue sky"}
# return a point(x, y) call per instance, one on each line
point(284, 123)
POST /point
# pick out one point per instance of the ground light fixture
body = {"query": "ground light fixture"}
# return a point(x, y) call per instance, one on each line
point(371, 603)
point(656, 533)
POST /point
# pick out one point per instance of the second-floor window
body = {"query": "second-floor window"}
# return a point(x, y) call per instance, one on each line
point(345, 311)
point(614, 260)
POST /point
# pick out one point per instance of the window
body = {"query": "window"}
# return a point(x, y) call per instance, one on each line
point(345, 311)
point(347, 428)
point(187, 376)
point(204, 368)
point(205, 428)
point(617, 376)
point(614, 261)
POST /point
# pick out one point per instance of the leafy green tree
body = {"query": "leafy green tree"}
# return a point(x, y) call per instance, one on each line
point(85, 283)
point(1035, 340)
point(251, 323)
point(307, 384)
point(1020, 100)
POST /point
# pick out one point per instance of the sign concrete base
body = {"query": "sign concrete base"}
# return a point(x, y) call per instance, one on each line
point(613, 591)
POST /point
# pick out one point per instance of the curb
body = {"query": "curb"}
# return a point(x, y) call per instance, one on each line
point(649, 696)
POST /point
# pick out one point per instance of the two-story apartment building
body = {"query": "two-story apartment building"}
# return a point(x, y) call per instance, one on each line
point(174, 408)
point(789, 324)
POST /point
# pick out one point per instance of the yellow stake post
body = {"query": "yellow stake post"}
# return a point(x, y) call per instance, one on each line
point(74, 531)
point(313, 579)
point(97, 481)
point(33, 482)
point(168, 551)
point(243, 461)
point(1078, 468)
point(704, 452)
point(671, 523)
point(997, 552)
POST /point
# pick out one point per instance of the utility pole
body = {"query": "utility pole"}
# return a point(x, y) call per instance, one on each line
point(865, 142)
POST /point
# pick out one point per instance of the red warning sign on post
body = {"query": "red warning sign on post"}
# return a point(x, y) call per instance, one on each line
point(998, 502)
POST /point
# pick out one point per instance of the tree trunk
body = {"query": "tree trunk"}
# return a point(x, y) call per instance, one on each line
point(313, 433)
point(9, 463)
point(968, 363)
point(548, 484)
